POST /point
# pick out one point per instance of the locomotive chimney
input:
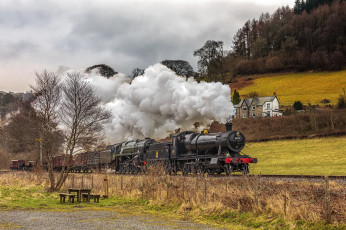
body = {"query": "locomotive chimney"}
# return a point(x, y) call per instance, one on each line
point(228, 126)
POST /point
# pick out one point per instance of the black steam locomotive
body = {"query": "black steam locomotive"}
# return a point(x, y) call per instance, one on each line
point(189, 152)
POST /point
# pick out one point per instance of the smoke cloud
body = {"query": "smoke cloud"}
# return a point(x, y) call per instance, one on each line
point(159, 102)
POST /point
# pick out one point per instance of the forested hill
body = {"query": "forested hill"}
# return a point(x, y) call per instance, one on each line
point(311, 36)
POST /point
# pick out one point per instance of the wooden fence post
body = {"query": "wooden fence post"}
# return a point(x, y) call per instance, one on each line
point(205, 190)
point(285, 203)
point(327, 193)
point(183, 188)
point(256, 192)
point(130, 186)
point(82, 181)
point(122, 185)
point(167, 188)
point(106, 187)
point(92, 181)
point(143, 186)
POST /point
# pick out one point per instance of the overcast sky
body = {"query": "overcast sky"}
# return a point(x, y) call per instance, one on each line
point(124, 34)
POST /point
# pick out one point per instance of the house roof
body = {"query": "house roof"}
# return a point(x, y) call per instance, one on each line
point(258, 101)
point(247, 101)
point(262, 100)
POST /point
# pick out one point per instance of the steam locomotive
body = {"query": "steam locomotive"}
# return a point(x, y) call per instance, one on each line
point(189, 152)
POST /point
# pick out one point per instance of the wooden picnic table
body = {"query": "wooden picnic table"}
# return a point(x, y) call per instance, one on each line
point(79, 192)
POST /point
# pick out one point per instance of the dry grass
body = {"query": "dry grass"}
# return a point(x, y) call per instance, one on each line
point(269, 201)
point(305, 200)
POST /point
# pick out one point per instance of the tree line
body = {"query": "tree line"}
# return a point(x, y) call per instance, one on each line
point(285, 40)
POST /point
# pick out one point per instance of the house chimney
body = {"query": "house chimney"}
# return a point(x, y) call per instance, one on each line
point(228, 126)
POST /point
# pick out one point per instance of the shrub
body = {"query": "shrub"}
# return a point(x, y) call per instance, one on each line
point(325, 101)
point(341, 102)
point(298, 105)
point(236, 97)
point(252, 94)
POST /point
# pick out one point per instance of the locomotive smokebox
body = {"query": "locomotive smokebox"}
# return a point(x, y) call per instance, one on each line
point(228, 126)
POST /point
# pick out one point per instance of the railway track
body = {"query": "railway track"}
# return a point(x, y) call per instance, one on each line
point(301, 177)
point(286, 176)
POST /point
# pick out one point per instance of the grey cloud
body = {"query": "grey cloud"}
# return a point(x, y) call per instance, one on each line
point(123, 34)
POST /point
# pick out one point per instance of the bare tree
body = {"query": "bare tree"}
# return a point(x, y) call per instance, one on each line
point(81, 115)
point(48, 96)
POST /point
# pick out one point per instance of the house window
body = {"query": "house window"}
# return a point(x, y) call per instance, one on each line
point(253, 114)
point(244, 115)
point(244, 108)
point(253, 107)
point(268, 106)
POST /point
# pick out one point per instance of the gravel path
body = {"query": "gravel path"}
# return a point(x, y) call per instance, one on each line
point(90, 220)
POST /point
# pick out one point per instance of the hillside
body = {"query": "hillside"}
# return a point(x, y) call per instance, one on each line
point(308, 87)
point(299, 156)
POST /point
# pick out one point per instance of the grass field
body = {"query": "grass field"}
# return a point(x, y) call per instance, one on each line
point(223, 203)
point(306, 87)
point(323, 156)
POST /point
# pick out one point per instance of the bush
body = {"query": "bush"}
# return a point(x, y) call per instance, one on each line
point(236, 97)
point(341, 102)
point(325, 101)
point(253, 94)
point(298, 105)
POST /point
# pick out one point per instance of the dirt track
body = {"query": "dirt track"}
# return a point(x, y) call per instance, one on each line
point(90, 220)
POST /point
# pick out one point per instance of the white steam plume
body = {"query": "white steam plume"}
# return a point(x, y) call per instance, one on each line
point(159, 102)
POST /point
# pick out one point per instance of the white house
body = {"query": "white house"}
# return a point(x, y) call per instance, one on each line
point(258, 107)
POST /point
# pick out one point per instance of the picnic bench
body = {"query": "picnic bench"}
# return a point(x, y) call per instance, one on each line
point(96, 197)
point(79, 192)
point(64, 195)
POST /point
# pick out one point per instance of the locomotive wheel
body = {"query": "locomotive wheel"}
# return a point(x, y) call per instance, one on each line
point(174, 169)
point(227, 170)
point(185, 169)
point(168, 168)
point(210, 171)
point(200, 169)
point(121, 170)
point(194, 168)
point(245, 169)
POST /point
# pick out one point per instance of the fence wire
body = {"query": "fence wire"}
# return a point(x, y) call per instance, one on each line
point(297, 199)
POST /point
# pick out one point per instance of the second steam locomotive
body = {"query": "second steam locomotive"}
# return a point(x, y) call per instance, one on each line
point(188, 152)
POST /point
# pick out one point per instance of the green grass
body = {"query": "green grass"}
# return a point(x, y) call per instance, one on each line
point(306, 87)
point(35, 198)
point(322, 156)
